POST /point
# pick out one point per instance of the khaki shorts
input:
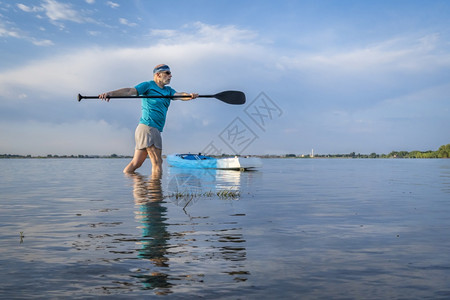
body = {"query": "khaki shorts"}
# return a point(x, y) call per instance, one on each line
point(146, 136)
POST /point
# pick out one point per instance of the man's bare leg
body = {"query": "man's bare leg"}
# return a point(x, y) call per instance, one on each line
point(137, 161)
point(155, 155)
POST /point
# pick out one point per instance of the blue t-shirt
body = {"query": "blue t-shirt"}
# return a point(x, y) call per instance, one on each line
point(154, 110)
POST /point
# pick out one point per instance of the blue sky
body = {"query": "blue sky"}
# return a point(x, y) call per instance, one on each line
point(333, 76)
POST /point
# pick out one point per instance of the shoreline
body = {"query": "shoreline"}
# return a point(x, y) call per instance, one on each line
point(442, 152)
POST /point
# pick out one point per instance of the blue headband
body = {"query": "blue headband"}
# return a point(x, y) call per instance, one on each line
point(161, 69)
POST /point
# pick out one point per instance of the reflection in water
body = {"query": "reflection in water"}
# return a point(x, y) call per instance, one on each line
point(152, 216)
point(201, 181)
point(230, 241)
point(203, 178)
point(183, 255)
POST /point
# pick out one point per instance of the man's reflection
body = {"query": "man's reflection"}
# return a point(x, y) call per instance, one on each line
point(219, 239)
point(151, 215)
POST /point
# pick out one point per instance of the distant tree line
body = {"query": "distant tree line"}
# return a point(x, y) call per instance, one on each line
point(442, 152)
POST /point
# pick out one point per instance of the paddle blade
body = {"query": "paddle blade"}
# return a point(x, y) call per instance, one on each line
point(231, 97)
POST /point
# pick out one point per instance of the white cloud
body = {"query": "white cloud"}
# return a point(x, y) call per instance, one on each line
point(7, 32)
point(94, 33)
point(124, 21)
point(164, 33)
point(205, 33)
point(42, 42)
point(15, 33)
point(57, 11)
point(112, 4)
point(27, 8)
point(413, 54)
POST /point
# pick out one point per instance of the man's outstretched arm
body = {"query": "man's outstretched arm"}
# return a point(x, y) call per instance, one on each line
point(118, 93)
point(191, 96)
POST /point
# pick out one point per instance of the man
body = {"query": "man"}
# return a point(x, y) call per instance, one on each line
point(154, 110)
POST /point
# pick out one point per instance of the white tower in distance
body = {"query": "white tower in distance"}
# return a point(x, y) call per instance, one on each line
point(312, 153)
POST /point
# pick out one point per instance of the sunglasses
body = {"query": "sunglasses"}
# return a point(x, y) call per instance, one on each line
point(167, 72)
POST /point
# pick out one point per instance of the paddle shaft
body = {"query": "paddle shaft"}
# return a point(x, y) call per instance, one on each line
point(126, 97)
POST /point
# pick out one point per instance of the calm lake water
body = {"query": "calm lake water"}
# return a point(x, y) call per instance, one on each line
point(298, 228)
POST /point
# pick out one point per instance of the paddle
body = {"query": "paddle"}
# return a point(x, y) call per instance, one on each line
point(230, 97)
